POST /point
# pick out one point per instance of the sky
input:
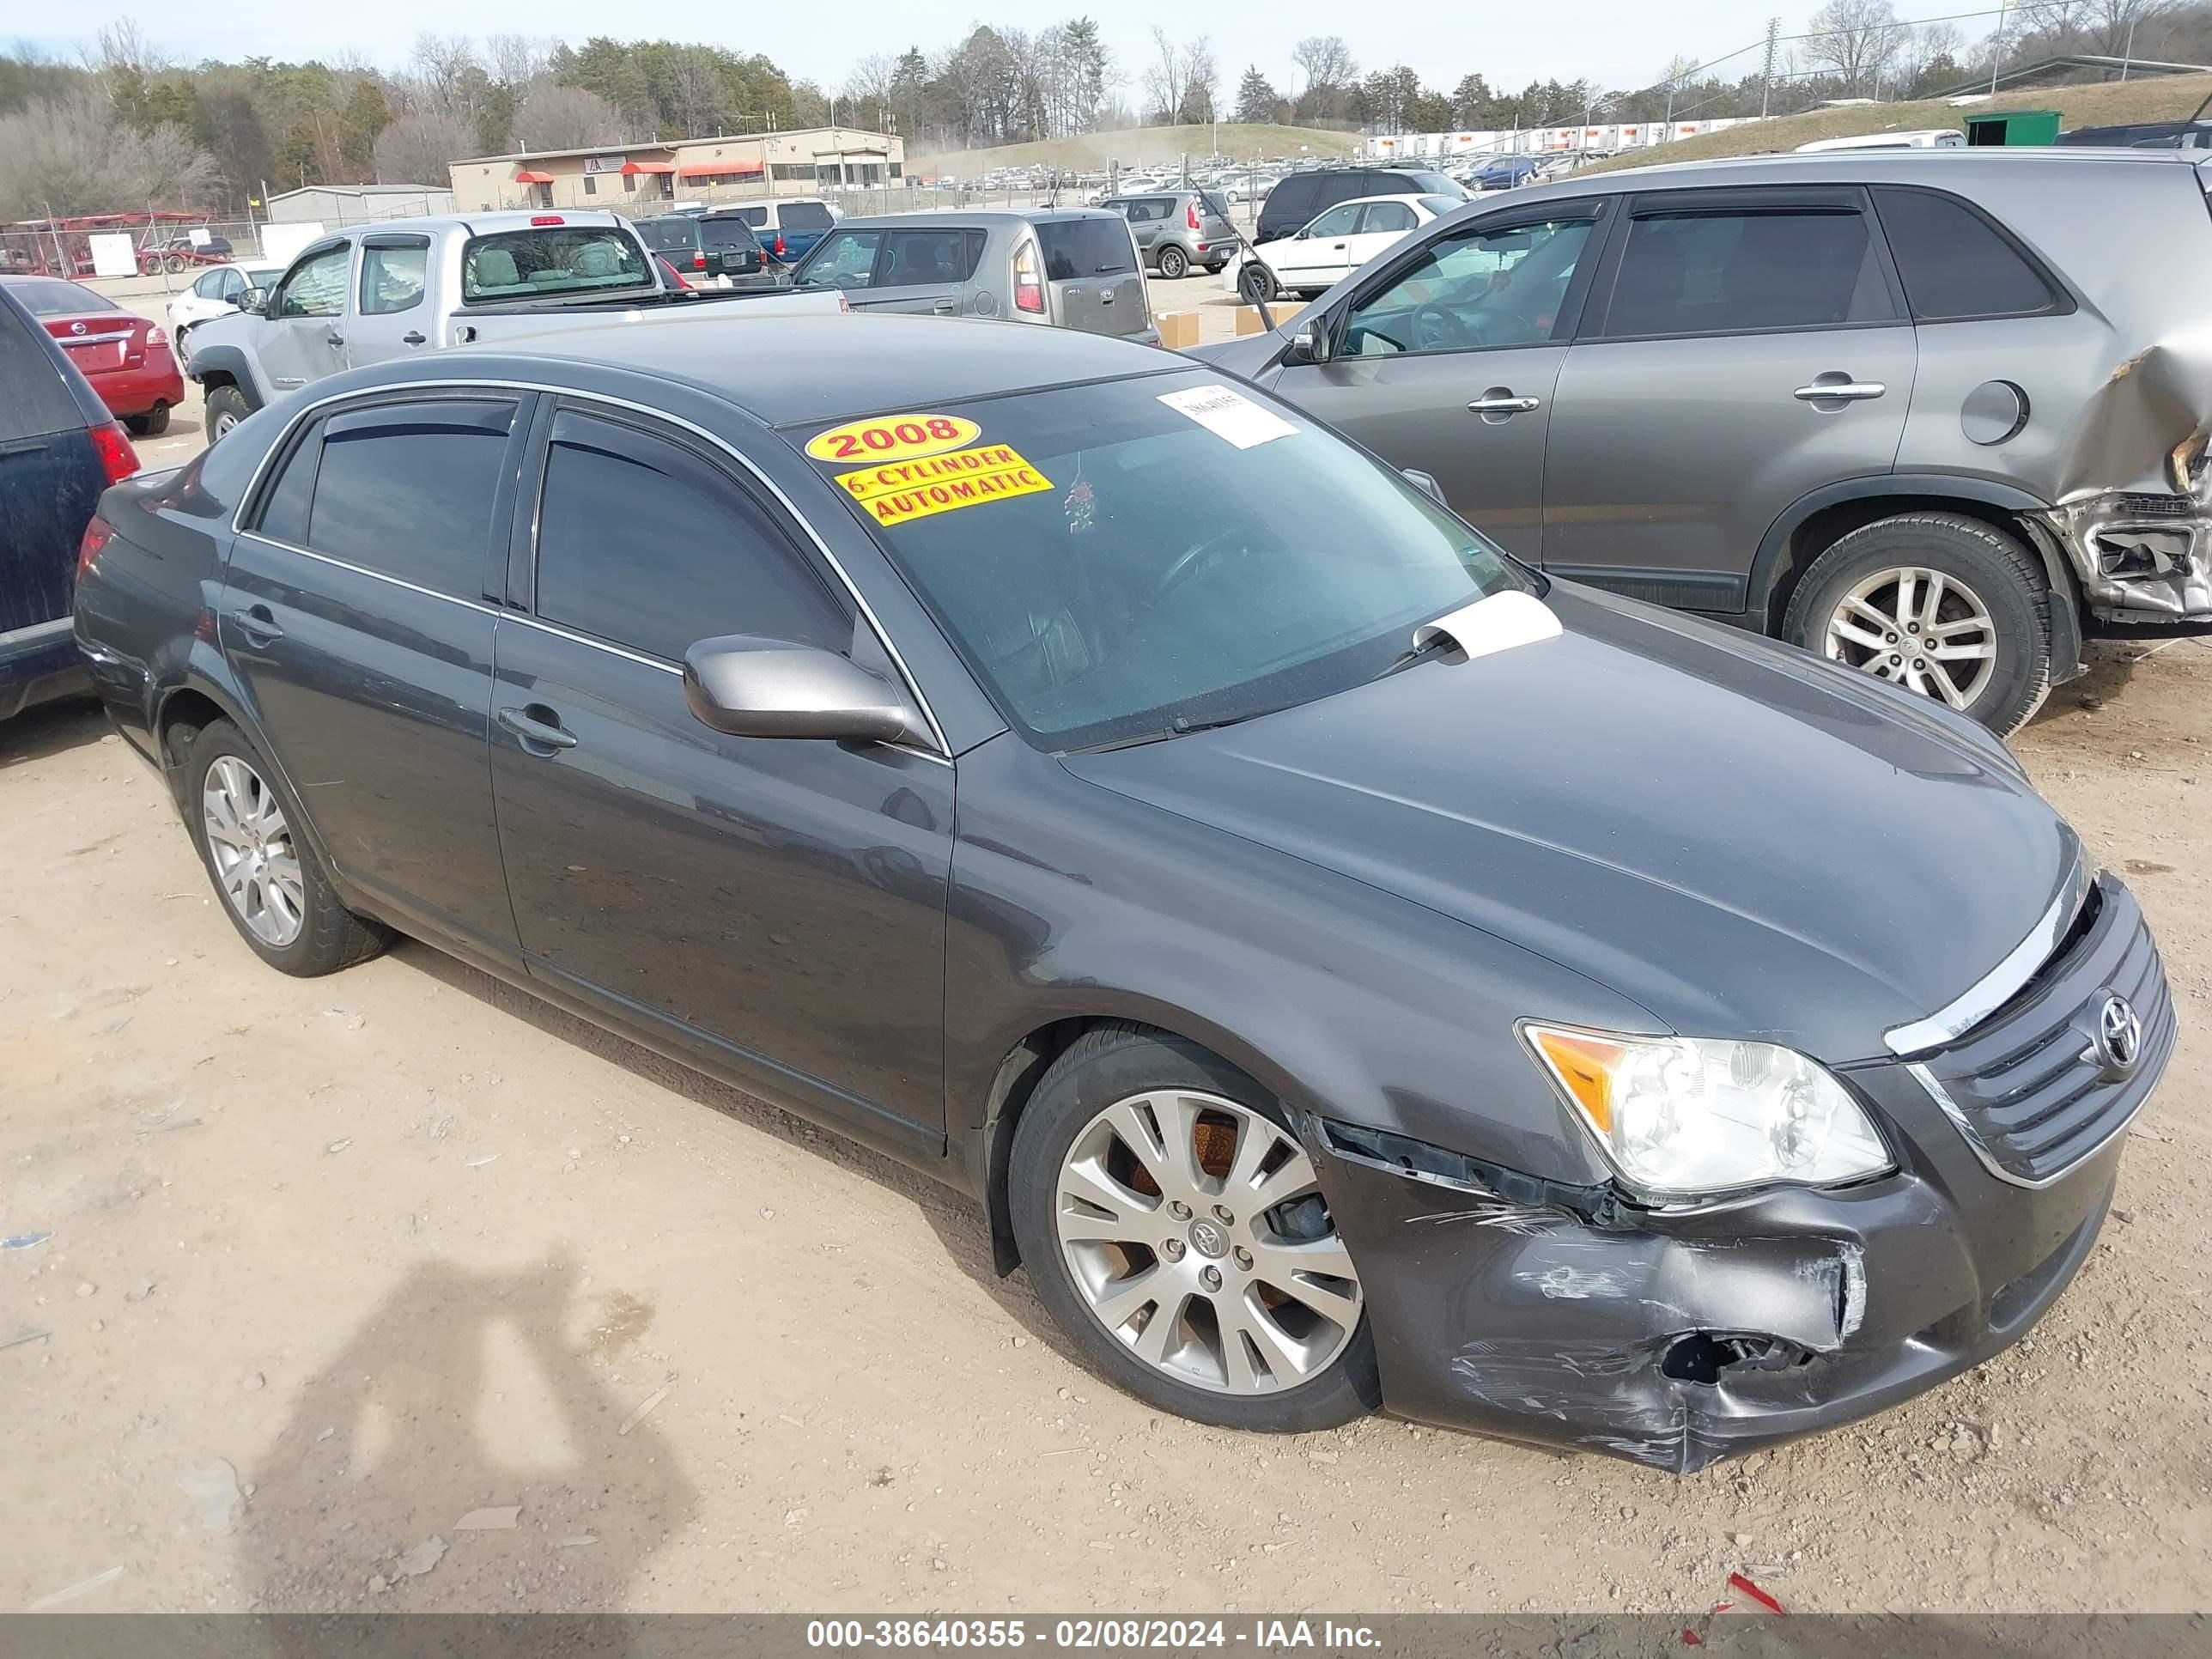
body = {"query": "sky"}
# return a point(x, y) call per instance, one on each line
point(1621, 44)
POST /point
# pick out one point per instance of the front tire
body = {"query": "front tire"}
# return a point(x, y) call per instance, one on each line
point(1173, 1225)
point(271, 885)
point(1256, 282)
point(1174, 263)
point(1937, 601)
point(226, 407)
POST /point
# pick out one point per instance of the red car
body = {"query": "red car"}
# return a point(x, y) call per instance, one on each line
point(125, 356)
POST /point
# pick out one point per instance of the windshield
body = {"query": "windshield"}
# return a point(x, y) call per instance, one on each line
point(541, 263)
point(53, 299)
point(1123, 559)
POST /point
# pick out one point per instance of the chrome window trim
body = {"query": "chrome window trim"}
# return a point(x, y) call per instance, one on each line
point(1997, 986)
point(307, 410)
point(1942, 1096)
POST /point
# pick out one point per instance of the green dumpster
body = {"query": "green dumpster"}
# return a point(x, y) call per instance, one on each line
point(2014, 126)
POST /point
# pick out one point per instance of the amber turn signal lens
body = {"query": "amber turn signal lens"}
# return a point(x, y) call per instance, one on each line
point(1584, 1065)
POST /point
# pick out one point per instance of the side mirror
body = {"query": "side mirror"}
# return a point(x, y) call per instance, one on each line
point(1426, 483)
point(751, 687)
point(1310, 342)
point(254, 301)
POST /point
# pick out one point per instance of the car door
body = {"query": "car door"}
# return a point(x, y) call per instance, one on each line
point(302, 336)
point(353, 613)
point(921, 271)
point(1381, 225)
point(390, 299)
point(775, 908)
point(845, 259)
point(1316, 257)
point(1768, 326)
point(1445, 359)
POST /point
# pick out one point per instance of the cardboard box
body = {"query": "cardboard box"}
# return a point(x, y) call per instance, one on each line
point(1178, 329)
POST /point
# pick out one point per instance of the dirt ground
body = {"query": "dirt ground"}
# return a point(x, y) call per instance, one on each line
point(334, 1263)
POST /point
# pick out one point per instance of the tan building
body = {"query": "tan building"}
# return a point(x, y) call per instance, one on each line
point(638, 177)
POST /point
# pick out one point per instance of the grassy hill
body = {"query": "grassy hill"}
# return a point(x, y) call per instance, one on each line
point(1138, 146)
point(2165, 98)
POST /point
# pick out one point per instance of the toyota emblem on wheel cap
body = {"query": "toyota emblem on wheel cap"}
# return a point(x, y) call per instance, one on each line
point(2117, 1044)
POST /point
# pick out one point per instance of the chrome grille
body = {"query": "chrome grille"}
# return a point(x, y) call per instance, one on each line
point(2028, 1086)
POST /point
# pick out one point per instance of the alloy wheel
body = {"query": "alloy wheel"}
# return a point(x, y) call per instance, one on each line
point(1195, 1233)
point(250, 844)
point(1923, 628)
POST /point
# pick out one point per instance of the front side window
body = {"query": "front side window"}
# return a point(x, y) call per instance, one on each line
point(407, 490)
point(1337, 222)
point(645, 543)
point(317, 288)
point(842, 260)
point(919, 257)
point(1112, 559)
point(547, 260)
point(391, 278)
point(1722, 272)
point(1500, 286)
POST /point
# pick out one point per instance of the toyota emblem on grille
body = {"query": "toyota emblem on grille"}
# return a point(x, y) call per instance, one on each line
point(2119, 1040)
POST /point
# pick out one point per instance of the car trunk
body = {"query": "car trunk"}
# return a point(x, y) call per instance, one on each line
point(100, 341)
point(1091, 268)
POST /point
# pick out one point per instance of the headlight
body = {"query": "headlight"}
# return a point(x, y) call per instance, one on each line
point(1680, 1117)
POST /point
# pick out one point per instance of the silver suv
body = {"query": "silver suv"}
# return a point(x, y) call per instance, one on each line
point(1936, 414)
point(1178, 229)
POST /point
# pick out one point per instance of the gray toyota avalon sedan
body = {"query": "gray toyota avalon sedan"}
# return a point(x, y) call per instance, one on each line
point(1349, 968)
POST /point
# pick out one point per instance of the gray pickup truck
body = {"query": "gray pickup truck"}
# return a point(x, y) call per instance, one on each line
point(374, 292)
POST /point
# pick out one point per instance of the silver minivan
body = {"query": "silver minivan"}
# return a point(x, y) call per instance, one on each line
point(1068, 267)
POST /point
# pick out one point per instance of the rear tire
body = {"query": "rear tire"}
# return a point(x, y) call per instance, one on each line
point(1938, 602)
point(1174, 263)
point(152, 424)
point(266, 875)
point(1256, 282)
point(1292, 1368)
point(226, 407)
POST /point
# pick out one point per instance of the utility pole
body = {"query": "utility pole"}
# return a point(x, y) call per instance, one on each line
point(2128, 51)
point(1996, 50)
point(1766, 77)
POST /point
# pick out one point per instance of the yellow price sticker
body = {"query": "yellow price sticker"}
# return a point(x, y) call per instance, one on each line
point(893, 437)
point(895, 491)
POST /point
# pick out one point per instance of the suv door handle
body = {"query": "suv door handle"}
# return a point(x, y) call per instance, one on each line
point(1503, 402)
point(255, 621)
point(945, 307)
point(539, 725)
point(1841, 391)
point(412, 337)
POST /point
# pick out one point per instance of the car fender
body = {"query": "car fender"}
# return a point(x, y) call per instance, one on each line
point(209, 358)
point(205, 671)
point(1766, 564)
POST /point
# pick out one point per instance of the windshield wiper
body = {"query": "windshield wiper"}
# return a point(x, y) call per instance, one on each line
point(1406, 659)
point(1180, 729)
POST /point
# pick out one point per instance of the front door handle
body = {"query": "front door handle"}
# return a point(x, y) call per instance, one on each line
point(413, 337)
point(334, 338)
point(1501, 401)
point(537, 724)
point(255, 621)
point(1838, 390)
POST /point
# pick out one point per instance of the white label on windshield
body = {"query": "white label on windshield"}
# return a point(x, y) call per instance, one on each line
point(1226, 415)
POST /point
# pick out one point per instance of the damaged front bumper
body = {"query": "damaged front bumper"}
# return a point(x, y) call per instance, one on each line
point(1563, 1316)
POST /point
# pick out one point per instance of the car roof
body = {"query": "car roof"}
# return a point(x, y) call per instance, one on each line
point(800, 369)
point(1400, 195)
point(1920, 166)
point(485, 224)
point(999, 216)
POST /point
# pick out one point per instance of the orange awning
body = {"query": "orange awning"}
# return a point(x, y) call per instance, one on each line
point(648, 166)
point(525, 176)
point(717, 169)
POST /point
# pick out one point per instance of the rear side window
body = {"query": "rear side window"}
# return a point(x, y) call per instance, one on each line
point(1387, 216)
point(1077, 248)
point(648, 544)
point(407, 490)
point(1716, 273)
point(668, 235)
point(536, 264)
point(1437, 183)
point(1954, 263)
point(391, 278)
point(755, 216)
point(804, 216)
point(37, 399)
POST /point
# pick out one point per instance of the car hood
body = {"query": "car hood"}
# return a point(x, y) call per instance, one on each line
point(1248, 355)
point(1741, 839)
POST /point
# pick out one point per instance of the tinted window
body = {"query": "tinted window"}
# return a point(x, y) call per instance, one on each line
point(407, 490)
point(916, 257)
point(391, 278)
point(647, 543)
point(669, 233)
point(47, 298)
point(38, 399)
point(1430, 183)
point(316, 288)
point(1387, 216)
point(1954, 262)
point(285, 510)
point(523, 264)
point(843, 259)
point(804, 216)
point(1482, 286)
point(1214, 202)
point(755, 216)
point(1076, 248)
point(1709, 273)
point(1151, 210)
point(1294, 200)
point(722, 234)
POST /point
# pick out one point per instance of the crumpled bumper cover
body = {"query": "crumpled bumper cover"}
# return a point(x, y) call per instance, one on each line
point(2143, 558)
point(1676, 1338)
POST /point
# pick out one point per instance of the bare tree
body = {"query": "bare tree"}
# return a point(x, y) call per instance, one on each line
point(868, 88)
point(1201, 82)
point(421, 147)
point(553, 117)
point(1325, 61)
point(123, 44)
point(516, 60)
point(1164, 78)
point(445, 73)
point(1859, 39)
point(68, 156)
point(699, 96)
point(2111, 24)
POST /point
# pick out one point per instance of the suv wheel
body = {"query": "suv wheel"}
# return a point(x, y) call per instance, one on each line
point(1174, 1226)
point(1938, 602)
point(1174, 263)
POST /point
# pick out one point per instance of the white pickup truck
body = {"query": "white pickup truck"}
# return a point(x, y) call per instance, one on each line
point(374, 292)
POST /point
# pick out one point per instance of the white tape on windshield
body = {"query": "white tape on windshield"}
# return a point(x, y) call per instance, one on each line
point(1496, 623)
point(1226, 415)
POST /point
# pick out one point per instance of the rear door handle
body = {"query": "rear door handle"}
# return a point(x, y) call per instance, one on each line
point(537, 725)
point(1503, 402)
point(412, 337)
point(1841, 391)
point(255, 621)
point(947, 307)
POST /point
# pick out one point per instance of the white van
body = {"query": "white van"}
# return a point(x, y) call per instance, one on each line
point(1927, 138)
point(788, 227)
